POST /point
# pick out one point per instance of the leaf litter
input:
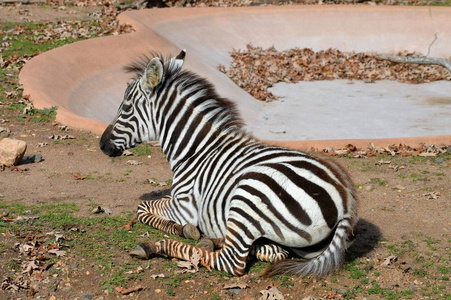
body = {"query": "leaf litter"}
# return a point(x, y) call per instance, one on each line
point(256, 69)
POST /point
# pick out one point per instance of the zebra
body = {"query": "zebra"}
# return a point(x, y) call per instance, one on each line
point(248, 197)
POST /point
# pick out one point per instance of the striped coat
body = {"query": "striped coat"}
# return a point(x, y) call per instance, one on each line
point(249, 197)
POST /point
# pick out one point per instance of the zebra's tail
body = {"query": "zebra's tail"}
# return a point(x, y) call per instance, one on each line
point(326, 262)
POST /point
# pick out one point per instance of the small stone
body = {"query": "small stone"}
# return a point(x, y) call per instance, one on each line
point(11, 151)
point(439, 160)
point(37, 158)
point(236, 291)
point(369, 188)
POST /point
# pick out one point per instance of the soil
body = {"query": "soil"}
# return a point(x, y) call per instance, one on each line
point(402, 249)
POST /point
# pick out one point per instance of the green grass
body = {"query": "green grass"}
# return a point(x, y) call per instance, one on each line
point(98, 238)
point(142, 150)
point(379, 181)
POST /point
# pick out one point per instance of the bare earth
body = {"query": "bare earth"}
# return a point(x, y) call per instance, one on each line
point(405, 207)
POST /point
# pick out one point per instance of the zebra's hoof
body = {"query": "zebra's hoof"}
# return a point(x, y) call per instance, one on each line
point(190, 232)
point(142, 251)
point(206, 244)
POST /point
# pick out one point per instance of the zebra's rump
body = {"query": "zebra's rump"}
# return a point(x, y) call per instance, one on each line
point(285, 195)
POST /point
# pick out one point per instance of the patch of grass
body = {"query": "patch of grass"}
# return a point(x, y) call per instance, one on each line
point(285, 280)
point(258, 267)
point(379, 181)
point(377, 289)
point(355, 270)
point(430, 243)
point(215, 296)
point(416, 177)
point(42, 115)
point(142, 150)
point(401, 248)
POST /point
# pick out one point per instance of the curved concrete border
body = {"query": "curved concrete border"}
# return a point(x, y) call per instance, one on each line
point(86, 80)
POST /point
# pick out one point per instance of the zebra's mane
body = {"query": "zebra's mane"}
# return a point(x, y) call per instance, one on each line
point(230, 112)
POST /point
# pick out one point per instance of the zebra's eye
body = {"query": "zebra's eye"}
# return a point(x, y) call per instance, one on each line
point(126, 107)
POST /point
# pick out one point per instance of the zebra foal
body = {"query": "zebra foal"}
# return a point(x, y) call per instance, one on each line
point(250, 198)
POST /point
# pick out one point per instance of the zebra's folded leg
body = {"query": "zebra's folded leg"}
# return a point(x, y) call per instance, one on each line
point(148, 217)
point(144, 250)
point(206, 244)
point(226, 259)
point(169, 248)
point(269, 252)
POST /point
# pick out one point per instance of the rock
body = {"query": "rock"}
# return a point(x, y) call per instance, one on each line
point(37, 158)
point(11, 151)
point(369, 188)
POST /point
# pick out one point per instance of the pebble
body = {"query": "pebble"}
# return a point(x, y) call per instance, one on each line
point(369, 188)
point(236, 291)
point(37, 158)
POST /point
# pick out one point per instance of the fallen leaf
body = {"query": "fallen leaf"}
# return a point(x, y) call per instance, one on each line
point(389, 260)
point(383, 162)
point(57, 252)
point(133, 162)
point(79, 176)
point(237, 285)
point(129, 225)
point(129, 290)
point(155, 276)
point(186, 267)
point(195, 259)
point(30, 267)
point(98, 210)
point(127, 153)
point(432, 195)
point(271, 293)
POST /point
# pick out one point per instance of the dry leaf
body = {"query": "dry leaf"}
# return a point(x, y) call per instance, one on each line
point(186, 267)
point(155, 276)
point(383, 162)
point(195, 259)
point(98, 210)
point(129, 290)
point(432, 195)
point(129, 225)
point(237, 285)
point(389, 260)
point(57, 252)
point(79, 176)
point(271, 293)
point(30, 267)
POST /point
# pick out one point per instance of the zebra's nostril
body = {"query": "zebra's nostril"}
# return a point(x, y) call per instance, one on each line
point(108, 148)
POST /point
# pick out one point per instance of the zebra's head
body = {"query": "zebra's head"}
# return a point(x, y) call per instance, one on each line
point(133, 124)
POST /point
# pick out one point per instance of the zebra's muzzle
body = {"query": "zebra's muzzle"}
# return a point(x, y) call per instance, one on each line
point(107, 146)
point(109, 149)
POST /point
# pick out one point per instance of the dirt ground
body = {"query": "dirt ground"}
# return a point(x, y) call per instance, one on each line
point(403, 249)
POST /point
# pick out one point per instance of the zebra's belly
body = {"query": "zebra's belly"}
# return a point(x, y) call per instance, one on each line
point(212, 226)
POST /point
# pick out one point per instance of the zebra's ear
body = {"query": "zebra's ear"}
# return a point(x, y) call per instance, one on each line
point(179, 60)
point(153, 73)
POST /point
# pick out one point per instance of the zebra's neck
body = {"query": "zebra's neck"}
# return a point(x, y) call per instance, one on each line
point(190, 116)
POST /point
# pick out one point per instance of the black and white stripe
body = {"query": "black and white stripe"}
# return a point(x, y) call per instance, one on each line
point(229, 184)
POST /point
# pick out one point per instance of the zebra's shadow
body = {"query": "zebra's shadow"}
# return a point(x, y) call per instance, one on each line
point(155, 195)
point(368, 237)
